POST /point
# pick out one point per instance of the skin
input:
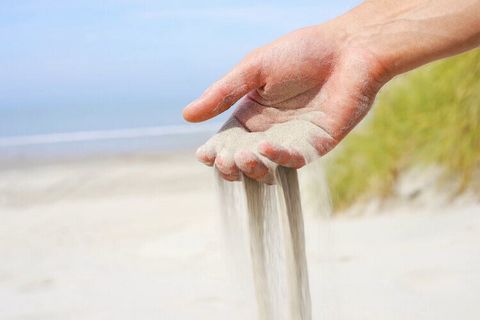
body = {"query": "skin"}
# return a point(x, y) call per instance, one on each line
point(326, 76)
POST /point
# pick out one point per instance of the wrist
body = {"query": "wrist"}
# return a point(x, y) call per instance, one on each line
point(375, 28)
point(404, 35)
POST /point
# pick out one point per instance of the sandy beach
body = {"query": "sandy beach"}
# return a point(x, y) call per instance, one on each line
point(138, 238)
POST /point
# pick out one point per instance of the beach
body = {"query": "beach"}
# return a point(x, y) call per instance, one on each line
point(137, 237)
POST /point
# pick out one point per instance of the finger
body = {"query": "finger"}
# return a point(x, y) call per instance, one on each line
point(206, 154)
point(323, 143)
point(250, 165)
point(225, 164)
point(224, 93)
point(286, 157)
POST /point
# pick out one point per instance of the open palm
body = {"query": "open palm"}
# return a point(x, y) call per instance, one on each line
point(297, 98)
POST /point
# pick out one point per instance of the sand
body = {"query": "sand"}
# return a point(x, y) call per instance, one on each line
point(139, 238)
point(274, 253)
point(274, 227)
point(235, 145)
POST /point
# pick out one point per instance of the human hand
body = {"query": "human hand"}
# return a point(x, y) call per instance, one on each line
point(303, 94)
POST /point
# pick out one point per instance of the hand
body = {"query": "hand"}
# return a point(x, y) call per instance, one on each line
point(301, 95)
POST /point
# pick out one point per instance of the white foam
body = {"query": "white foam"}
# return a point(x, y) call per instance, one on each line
point(96, 135)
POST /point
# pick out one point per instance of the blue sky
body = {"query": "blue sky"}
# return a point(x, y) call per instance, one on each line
point(134, 54)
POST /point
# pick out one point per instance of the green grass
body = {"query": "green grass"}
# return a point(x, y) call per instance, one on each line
point(429, 116)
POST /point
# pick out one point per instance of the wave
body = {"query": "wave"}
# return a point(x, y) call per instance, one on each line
point(96, 135)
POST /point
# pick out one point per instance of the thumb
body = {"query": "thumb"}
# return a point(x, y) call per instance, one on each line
point(244, 78)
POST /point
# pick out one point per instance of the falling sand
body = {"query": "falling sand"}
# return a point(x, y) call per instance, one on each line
point(263, 225)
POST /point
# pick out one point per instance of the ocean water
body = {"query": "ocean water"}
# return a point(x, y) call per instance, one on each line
point(72, 131)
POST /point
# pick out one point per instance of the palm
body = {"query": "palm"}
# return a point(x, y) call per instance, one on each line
point(303, 102)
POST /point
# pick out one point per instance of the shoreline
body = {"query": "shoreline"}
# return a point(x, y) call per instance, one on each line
point(12, 162)
point(118, 142)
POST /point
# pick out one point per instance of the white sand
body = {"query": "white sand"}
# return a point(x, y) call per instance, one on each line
point(138, 239)
point(274, 255)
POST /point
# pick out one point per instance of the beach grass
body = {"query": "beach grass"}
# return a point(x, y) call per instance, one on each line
point(430, 116)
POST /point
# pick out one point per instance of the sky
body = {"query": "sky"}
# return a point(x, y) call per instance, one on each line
point(125, 56)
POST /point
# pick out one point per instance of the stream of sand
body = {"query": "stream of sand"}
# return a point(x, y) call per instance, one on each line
point(264, 230)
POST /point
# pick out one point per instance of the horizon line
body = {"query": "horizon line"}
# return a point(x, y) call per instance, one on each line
point(95, 135)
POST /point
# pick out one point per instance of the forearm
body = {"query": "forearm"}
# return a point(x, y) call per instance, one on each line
point(403, 35)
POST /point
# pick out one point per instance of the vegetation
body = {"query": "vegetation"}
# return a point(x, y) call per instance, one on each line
point(429, 116)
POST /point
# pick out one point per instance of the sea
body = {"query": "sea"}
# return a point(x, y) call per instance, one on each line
point(63, 131)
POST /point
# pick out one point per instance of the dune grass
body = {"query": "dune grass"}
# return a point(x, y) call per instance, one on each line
point(429, 116)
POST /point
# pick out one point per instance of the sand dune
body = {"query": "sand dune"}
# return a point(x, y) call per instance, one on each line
point(137, 238)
